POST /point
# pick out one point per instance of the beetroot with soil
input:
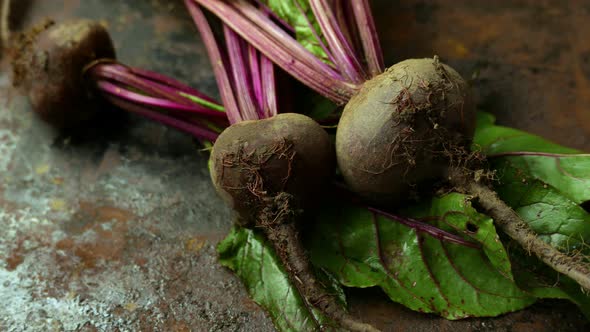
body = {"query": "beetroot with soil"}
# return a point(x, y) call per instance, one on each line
point(255, 161)
point(49, 63)
point(68, 70)
point(403, 127)
point(400, 130)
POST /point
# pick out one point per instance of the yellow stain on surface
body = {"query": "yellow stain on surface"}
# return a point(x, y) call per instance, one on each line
point(461, 50)
point(195, 244)
point(455, 48)
point(42, 169)
point(131, 306)
point(57, 204)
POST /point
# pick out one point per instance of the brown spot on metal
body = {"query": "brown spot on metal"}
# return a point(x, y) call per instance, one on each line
point(14, 260)
point(165, 24)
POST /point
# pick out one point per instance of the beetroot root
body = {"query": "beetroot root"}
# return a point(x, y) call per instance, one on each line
point(399, 130)
point(269, 171)
point(49, 62)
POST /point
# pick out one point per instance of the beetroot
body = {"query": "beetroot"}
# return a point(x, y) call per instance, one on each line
point(402, 127)
point(270, 171)
point(253, 161)
point(49, 63)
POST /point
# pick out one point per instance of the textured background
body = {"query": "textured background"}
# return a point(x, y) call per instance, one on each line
point(115, 230)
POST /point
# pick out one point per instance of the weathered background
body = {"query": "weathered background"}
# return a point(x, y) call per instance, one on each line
point(115, 231)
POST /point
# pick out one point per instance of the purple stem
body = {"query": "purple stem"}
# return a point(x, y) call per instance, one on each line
point(426, 228)
point(241, 76)
point(369, 37)
point(281, 48)
point(346, 58)
point(410, 222)
point(343, 12)
point(195, 131)
point(256, 77)
point(159, 78)
point(219, 67)
point(268, 87)
point(348, 21)
point(123, 93)
point(120, 74)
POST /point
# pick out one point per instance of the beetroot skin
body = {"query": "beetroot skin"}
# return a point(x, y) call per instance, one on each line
point(253, 161)
point(402, 128)
point(49, 62)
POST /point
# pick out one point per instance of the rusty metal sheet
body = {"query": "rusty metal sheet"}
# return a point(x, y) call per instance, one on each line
point(115, 230)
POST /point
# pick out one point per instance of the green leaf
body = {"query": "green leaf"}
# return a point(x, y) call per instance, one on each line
point(493, 139)
point(567, 170)
point(545, 189)
point(320, 108)
point(421, 272)
point(543, 282)
point(304, 25)
point(254, 261)
point(554, 216)
point(545, 186)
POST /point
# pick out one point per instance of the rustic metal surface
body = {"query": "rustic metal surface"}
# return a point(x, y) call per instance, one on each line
point(116, 231)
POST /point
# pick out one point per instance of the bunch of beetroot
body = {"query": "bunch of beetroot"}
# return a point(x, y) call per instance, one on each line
point(401, 129)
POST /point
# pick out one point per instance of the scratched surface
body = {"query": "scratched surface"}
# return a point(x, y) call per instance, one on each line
point(115, 230)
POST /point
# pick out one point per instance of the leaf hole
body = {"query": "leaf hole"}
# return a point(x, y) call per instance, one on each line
point(586, 206)
point(477, 205)
point(471, 227)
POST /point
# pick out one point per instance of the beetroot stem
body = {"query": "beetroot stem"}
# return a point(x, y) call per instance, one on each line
point(119, 73)
point(194, 130)
point(220, 68)
point(369, 37)
point(131, 96)
point(345, 20)
point(268, 87)
point(344, 54)
point(278, 37)
point(256, 78)
point(241, 76)
point(259, 30)
point(183, 89)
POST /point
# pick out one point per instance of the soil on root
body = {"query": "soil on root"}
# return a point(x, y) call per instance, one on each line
point(259, 180)
point(278, 221)
point(22, 51)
